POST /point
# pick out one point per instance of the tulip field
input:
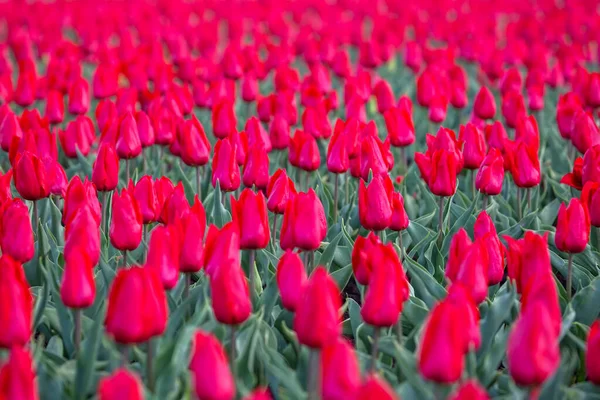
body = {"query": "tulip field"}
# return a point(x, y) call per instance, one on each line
point(340, 200)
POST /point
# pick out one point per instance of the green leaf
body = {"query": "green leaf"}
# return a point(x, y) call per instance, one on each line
point(497, 314)
point(329, 252)
point(342, 276)
point(426, 287)
point(585, 303)
point(220, 215)
point(41, 300)
point(86, 360)
point(187, 185)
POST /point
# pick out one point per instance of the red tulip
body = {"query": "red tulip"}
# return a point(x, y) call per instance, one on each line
point(569, 105)
point(5, 191)
point(16, 304)
point(524, 265)
point(291, 278)
point(250, 213)
point(572, 227)
point(533, 351)
point(224, 166)
point(387, 290)
point(240, 142)
point(78, 136)
point(30, 178)
point(256, 168)
point(469, 390)
point(126, 223)
point(81, 194)
point(79, 97)
point(82, 235)
point(105, 81)
point(591, 165)
point(249, 88)
point(24, 94)
point(222, 246)
point(17, 376)
point(230, 293)
point(210, 368)
point(195, 147)
point(78, 288)
point(495, 135)
point(193, 225)
point(400, 219)
point(459, 246)
point(338, 160)
point(375, 203)
point(55, 107)
point(121, 384)
point(361, 257)
point(490, 176)
point(592, 353)
point(9, 129)
point(590, 198)
point(341, 372)
point(279, 132)
point(376, 388)
point(304, 152)
point(385, 96)
point(485, 231)
point(175, 205)
point(128, 141)
point(438, 171)
point(592, 95)
point(472, 271)
point(400, 127)
point(304, 223)
point(484, 106)
point(106, 114)
point(223, 119)
point(137, 306)
point(574, 179)
point(317, 318)
point(524, 164)
point(163, 255)
point(279, 190)
point(16, 233)
point(474, 147)
point(145, 129)
point(513, 107)
point(375, 156)
point(259, 394)
point(527, 131)
point(105, 173)
point(585, 132)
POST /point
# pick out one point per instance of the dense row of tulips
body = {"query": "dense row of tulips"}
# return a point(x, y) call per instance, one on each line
point(338, 200)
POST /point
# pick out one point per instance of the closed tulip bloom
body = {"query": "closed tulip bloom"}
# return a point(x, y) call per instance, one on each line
point(105, 172)
point(384, 96)
point(542, 288)
point(533, 351)
point(106, 113)
point(249, 88)
point(459, 246)
point(400, 127)
point(137, 306)
point(126, 223)
point(175, 206)
point(472, 272)
point(590, 197)
point(485, 231)
point(16, 304)
point(317, 319)
point(224, 166)
point(239, 140)
point(55, 107)
point(5, 191)
point(256, 168)
point(361, 255)
point(163, 255)
point(291, 277)
point(9, 129)
point(191, 237)
point(145, 129)
point(426, 87)
point(490, 176)
point(82, 235)
point(279, 190)
point(81, 194)
point(592, 352)
point(17, 376)
point(338, 160)
point(374, 388)
point(209, 365)
point(592, 92)
point(105, 82)
point(442, 179)
point(527, 131)
point(16, 233)
point(121, 384)
point(128, 141)
point(572, 227)
point(590, 171)
point(195, 147)
point(484, 106)
point(513, 107)
point(222, 246)
point(250, 213)
point(30, 177)
point(496, 136)
point(585, 132)
point(340, 369)
point(24, 94)
point(304, 223)
point(400, 219)
point(223, 119)
point(78, 288)
point(474, 146)
point(230, 294)
point(375, 203)
point(79, 97)
point(375, 157)
point(569, 105)
point(304, 151)
point(78, 137)
point(387, 290)
point(574, 178)
point(315, 122)
point(469, 390)
point(524, 165)
point(279, 132)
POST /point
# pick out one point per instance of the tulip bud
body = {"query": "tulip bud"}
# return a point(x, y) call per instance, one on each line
point(469, 390)
point(291, 278)
point(126, 224)
point(484, 106)
point(472, 271)
point(120, 384)
point(376, 388)
point(230, 293)
point(16, 304)
point(223, 119)
point(304, 223)
point(193, 225)
point(137, 306)
point(55, 107)
point(256, 168)
point(279, 132)
point(527, 131)
point(78, 288)
point(163, 255)
point(16, 233)
point(106, 114)
point(459, 246)
point(259, 394)
point(513, 107)
point(496, 136)
point(175, 205)
point(250, 213)
point(279, 190)
point(9, 129)
point(341, 372)
point(375, 156)
point(105, 173)
point(82, 235)
point(400, 127)
point(533, 351)
point(222, 246)
point(572, 227)
point(486, 232)
point(592, 352)
point(30, 177)
point(524, 164)
point(590, 197)
point(387, 290)
point(361, 253)
point(128, 141)
point(195, 147)
point(5, 191)
point(569, 105)
point(209, 365)
point(317, 318)
point(474, 147)
point(304, 151)
point(79, 97)
point(17, 376)
point(105, 82)
point(81, 194)
point(338, 161)
point(585, 132)
point(224, 166)
point(442, 179)
point(400, 219)
point(490, 176)
point(375, 203)
point(78, 137)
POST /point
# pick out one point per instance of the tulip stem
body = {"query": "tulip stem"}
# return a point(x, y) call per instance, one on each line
point(347, 191)
point(374, 349)
point(150, 366)
point(528, 199)
point(186, 288)
point(401, 245)
point(403, 158)
point(569, 276)
point(274, 233)
point(307, 180)
point(335, 197)
point(35, 217)
point(124, 354)
point(313, 383)
point(441, 214)
point(232, 340)
point(198, 183)
point(399, 330)
point(598, 239)
point(104, 204)
point(519, 213)
point(485, 201)
point(125, 258)
point(77, 329)
point(473, 191)
point(127, 171)
point(251, 272)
